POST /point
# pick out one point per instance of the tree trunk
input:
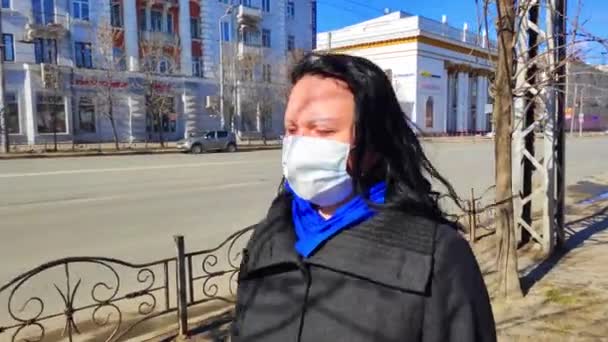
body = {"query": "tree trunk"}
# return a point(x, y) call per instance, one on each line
point(509, 286)
point(112, 121)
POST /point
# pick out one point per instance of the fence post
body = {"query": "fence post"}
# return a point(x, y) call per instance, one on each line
point(182, 303)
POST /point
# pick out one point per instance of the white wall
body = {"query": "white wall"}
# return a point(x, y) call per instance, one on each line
point(431, 82)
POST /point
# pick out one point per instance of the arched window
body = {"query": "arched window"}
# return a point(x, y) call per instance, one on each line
point(429, 113)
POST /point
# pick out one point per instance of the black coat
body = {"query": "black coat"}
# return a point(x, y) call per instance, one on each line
point(393, 278)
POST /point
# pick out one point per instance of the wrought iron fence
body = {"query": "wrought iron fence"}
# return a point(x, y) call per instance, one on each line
point(106, 299)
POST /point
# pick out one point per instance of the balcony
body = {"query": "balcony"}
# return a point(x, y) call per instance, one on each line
point(45, 31)
point(248, 49)
point(161, 38)
point(248, 16)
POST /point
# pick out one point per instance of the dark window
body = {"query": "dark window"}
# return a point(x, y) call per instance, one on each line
point(266, 5)
point(116, 15)
point(222, 134)
point(44, 11)
point(80, 9)
point(429, 112)
point(86, 115)
point(266, 38)
point(6, 3)
point(50, 114)
point(197, 66)
point(195, 28)
point(291, 43)
point(291, 9)
point(143, 25)
point(156, 19)
point(45, 50)
point(169, 23)
point(120, 60)
point(84, 58)
point(11, 107)
point(9, 48)
point(267, 73)
point(225, 31)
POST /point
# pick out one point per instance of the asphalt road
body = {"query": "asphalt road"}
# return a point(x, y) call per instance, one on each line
point(129, 207)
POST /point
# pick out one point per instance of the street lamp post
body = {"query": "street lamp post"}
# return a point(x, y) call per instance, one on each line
point(221, 62)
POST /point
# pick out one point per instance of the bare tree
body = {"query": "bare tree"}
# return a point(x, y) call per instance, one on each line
point(110, 59)
point(159, 53)
point(508, 284)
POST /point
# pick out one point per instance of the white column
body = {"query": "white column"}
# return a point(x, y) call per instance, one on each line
point(29, 113)
point(464, 100)
point(482, 97)
point(131, 27)
point(185, 37)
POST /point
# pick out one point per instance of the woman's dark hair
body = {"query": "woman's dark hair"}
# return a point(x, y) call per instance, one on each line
point(383, 128)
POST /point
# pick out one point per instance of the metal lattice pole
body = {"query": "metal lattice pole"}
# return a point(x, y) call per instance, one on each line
point(540, 104)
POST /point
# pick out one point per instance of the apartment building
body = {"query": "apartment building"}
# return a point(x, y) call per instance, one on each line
point(440, 73)
point(87, 70)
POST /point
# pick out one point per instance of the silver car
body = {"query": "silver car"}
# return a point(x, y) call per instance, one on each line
point(208, 141)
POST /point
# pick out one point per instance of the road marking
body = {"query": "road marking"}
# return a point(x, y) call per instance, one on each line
point(127, 169)
point(72, 201)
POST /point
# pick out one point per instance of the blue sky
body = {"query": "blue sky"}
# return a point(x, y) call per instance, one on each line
point(333, 14)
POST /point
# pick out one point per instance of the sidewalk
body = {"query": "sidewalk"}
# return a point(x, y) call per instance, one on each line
point(566, 295)
point(108, 149)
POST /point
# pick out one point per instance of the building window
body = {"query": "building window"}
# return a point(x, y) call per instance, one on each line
point(195, 28)
point(165, 107)
point(163, 66)
point(116, 15)
point(44, 11)
point(267, 73)
point(291, 9)
point(266, 5)
point(251, 37)
point(169, 23)
point(50, 114)
point(6, 4)
point(84, 58)
point(291, 43)
point(80, 9)
point(197, 66)
point(246, 3)
point(156, 20)
point(429, 112)
point(11, 109)
point(225, 1)
point(45, 50)
point(86, 115)
point(225, 31)
point(120, 59)
point(9, 48)
point(143, 25)
point(266, 38)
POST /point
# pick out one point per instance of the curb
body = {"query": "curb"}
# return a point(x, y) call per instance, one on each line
point(43, 155)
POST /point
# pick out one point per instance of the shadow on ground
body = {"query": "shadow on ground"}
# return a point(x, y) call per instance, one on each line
point(578, 232)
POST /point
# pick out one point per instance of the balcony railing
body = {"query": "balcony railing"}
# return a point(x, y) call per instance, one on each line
point(248, 16)
point(164, 38)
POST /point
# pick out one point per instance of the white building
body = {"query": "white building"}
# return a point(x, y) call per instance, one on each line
point(55, 63)
point(439, 73)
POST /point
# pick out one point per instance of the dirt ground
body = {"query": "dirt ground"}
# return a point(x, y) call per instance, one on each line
point(566, 296)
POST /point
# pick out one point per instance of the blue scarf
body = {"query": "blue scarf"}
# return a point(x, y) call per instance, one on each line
point(312, 229)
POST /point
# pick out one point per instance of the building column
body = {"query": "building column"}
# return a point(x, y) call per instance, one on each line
point(482, 99)
point(462, 113)
point(185, 37)
point(29, 112)
point(131, 26)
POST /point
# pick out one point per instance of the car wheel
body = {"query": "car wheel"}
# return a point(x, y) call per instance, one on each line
point(231, 148)
point(196, 149)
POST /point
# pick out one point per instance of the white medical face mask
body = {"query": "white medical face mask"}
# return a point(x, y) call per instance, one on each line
point(316, 169)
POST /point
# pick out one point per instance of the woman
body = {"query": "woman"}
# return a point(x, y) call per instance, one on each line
point(355, 246)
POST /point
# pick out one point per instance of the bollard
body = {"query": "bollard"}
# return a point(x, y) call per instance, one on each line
point(182, 303)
